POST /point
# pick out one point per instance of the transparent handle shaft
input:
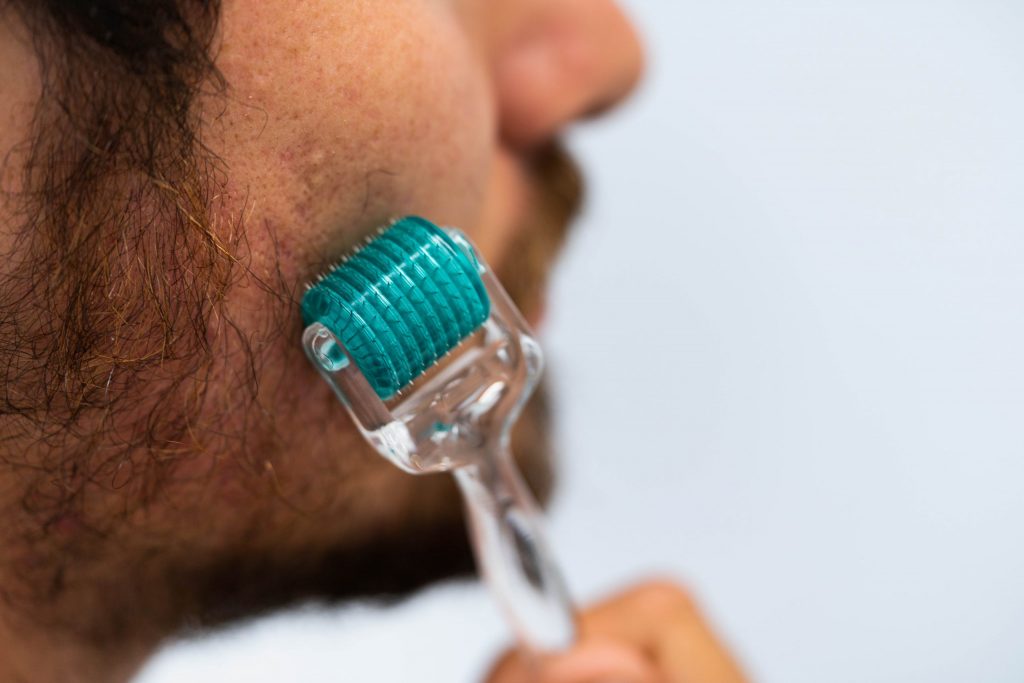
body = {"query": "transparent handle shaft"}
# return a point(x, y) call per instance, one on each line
point(513, 554)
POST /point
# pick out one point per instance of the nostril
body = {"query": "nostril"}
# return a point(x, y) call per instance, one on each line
point(599, 109)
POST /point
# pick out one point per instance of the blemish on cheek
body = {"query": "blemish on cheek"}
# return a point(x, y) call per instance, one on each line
point(351, 92)
point(284, 248)
point(67, 525)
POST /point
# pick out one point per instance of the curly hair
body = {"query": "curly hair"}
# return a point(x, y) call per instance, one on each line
point(117, 342)
point(119, 262)
point(113, 136)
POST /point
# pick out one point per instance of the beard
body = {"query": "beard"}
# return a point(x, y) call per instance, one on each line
point(432, 544)
point(130, 539)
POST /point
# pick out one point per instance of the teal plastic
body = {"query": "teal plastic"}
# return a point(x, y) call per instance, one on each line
point(400, 303)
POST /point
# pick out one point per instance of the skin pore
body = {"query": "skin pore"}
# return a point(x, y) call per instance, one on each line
point(168, 459)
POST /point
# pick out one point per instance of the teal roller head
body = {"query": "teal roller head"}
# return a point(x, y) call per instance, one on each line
point(400, 302)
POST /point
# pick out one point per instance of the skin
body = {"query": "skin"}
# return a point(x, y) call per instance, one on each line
point(339, 116)
point(650, 633)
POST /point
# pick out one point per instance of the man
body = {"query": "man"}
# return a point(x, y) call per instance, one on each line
point(175, 171)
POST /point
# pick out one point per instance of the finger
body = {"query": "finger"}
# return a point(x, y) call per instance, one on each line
point(662, 620)
point(639, 614)
point(595, 661)
point(690, 651)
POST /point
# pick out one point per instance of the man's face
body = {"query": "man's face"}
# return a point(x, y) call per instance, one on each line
point(338, 116)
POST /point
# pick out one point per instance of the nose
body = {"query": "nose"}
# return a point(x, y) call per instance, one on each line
point(558, 61)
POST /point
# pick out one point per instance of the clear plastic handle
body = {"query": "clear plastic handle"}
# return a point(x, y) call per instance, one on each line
point(513, 554)
point(457, 418)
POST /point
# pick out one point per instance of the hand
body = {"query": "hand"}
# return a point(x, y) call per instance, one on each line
point(652, 633)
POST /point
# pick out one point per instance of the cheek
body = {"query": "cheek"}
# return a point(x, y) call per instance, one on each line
point(342, 115)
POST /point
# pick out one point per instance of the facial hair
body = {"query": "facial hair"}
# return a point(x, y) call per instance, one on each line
point(433, 544)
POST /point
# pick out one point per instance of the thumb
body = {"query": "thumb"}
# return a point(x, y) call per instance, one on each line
point(596, 661)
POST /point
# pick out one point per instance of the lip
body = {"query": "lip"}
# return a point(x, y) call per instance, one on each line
point(539, 315)
point(508, 197)
point(512, 192)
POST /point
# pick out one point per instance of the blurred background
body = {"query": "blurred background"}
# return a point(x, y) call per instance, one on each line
point(798, 296)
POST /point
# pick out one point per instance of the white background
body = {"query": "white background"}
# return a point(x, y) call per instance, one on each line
point(787, 342)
